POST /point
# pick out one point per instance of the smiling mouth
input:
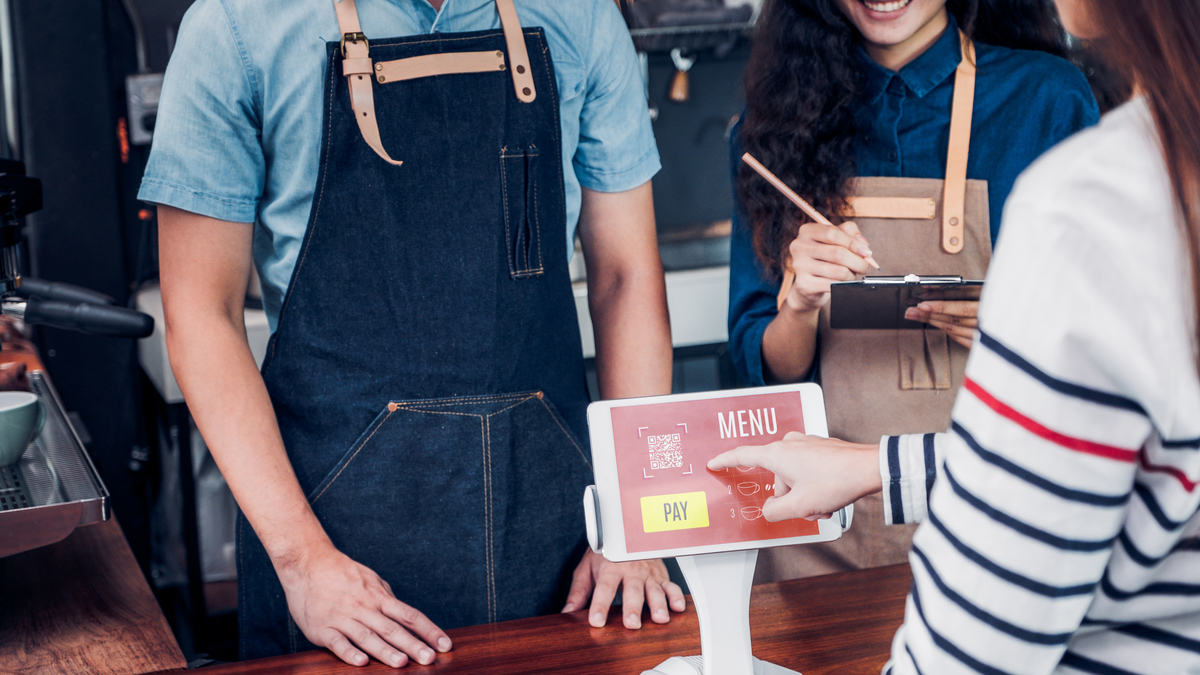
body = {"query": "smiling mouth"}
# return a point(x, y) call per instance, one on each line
point(884, 7)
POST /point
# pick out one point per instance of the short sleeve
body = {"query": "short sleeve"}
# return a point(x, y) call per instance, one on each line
point(207, 154)
point(616, 142)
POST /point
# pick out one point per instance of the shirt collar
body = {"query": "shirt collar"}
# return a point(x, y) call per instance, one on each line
point(924, 73)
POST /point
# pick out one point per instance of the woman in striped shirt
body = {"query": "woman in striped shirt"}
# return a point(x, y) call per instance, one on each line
point(1060, 529)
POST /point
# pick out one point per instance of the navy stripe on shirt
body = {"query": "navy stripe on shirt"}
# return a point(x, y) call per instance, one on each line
point(1034, 479)
point(1089, 666)
point(990, 619)
point(1156, 511)
point(1030, 531)
point(1162, 637)
point(1160, 588)
point(930, 465)
point(1006, 574)
point(948, 646)
point(893, 453)
point(1061, 386)
point(1188, 444)
point(1146, 560)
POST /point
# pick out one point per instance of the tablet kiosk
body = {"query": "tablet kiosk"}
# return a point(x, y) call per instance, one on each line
point(655, 497)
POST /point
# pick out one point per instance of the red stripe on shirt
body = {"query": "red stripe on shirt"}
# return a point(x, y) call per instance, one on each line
point(1175, 473)
point(1069, 442)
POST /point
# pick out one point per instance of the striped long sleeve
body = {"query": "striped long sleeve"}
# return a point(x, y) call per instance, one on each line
point(1061, 533)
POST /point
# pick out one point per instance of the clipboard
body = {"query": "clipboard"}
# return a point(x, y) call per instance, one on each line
point(879, 303)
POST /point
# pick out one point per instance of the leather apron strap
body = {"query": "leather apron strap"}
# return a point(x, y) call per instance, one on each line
point(359, 69)
point(954, 197)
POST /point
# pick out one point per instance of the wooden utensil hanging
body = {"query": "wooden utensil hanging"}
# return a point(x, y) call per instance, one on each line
point(680, 85)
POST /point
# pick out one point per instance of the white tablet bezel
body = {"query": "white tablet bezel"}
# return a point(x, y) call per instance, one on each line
point(611, 524)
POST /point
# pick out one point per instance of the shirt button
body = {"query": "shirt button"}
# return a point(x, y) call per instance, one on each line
point(892, 155)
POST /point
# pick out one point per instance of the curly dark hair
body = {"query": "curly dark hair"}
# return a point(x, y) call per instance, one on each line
point(802, 82)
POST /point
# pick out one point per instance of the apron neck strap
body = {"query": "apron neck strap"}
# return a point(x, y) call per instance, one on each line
point(359, 69)
point(954, 198)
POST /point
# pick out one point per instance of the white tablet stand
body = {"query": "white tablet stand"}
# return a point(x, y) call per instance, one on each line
point(720, 586)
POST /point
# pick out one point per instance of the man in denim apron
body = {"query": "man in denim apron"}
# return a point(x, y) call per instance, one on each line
point(412, 456)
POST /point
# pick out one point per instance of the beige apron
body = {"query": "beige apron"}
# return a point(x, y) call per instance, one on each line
point(881, 382)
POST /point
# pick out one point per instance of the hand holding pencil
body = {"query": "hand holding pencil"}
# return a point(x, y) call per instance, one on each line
point(822, 251)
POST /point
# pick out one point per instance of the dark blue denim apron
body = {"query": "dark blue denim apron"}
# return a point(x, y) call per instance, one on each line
point(426, 370)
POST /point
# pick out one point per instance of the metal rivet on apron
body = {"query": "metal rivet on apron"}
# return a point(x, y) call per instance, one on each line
point(501, 65)
point(541, 395)
point(526, 91)
point(378, 66)
point(521, 69)
point(954, 241)
point(382, 78)
point(392, 407)
point(954, 221)
point(500, 54)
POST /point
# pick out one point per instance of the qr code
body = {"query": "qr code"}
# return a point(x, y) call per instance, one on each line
point(665, 452)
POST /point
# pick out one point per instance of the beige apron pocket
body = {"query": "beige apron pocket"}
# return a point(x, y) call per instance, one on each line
point(924, 359)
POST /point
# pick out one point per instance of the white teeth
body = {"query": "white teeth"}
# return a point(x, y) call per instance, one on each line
point(886, 6)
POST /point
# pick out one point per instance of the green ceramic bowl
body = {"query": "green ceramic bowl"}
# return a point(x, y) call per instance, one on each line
point(22, 415)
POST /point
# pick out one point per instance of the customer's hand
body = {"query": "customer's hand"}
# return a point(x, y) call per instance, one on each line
point(642, 580)
point(346, 608)
point(821, 255)
point(814, 476)
point(957, 318)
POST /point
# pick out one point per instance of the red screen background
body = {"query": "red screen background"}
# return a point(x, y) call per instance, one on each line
point(734, 496)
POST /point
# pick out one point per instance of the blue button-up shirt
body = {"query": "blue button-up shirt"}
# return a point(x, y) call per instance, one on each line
point(1025, 102)
point(238, 135)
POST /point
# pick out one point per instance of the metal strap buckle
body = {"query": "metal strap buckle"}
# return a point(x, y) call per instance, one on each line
point(354, 38)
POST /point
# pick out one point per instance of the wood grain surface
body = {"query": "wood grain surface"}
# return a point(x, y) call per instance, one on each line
point(82, 606)
point(840, 623)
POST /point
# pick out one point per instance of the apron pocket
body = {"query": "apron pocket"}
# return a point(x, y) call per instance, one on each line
point(521, 234)
point(470, 507)
point(924, 357)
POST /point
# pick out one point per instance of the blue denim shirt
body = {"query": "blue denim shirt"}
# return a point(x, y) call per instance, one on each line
point(239, 124)
point(1025, 102)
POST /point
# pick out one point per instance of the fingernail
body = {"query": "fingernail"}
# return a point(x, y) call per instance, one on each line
point(597, 619)
point(425, 656)
point(910, 313)
point(633, 621)
point(925, 307)
point(569, 608)
point(396, 660)
point(444, 644)
point(862, 251)
point(360, 659)
point(661, 615)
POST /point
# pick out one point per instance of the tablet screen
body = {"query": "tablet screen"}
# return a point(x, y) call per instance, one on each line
point(669, 498)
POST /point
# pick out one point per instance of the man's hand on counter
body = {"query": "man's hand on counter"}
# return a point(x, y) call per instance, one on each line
point(346, 608)
point(644, 580)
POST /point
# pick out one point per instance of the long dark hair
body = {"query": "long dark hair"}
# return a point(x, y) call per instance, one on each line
point(801, 84)
point(1154, 43)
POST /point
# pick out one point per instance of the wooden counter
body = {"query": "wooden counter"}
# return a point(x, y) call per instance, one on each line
point(841, 623)
point(80, 605)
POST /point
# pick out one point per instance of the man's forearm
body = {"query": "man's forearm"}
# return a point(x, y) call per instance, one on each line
point(633, 336)
point(228, 400)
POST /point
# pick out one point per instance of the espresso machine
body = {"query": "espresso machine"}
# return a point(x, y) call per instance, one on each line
point(47, 303)
point(54, 487)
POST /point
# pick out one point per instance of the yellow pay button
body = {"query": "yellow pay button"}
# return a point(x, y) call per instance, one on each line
point(664, 513)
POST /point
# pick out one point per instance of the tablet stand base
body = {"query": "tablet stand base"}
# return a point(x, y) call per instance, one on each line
point(720, 585)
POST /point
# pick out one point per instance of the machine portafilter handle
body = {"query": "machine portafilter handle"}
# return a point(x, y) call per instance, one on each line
point(56, 290)
point(83, 316)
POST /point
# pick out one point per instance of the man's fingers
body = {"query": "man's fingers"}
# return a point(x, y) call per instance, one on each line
point(675, 596)
point(342, 648)
point(745, 455)
point(632, 600)
point(366, 634)
point(602, 597)
point(656, 601)
point(581, 586)
point(776, 509)
point(417, 624)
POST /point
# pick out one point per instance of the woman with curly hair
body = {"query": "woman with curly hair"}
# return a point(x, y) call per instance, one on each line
point(906, 123)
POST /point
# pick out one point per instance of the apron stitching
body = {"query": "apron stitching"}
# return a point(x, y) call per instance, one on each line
point(566, 433)
point(485, 438)
point(504, 191)
point(497, 412)
point(537, 229)
point(352, 458)
point(479, 399)
point(320, 195)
